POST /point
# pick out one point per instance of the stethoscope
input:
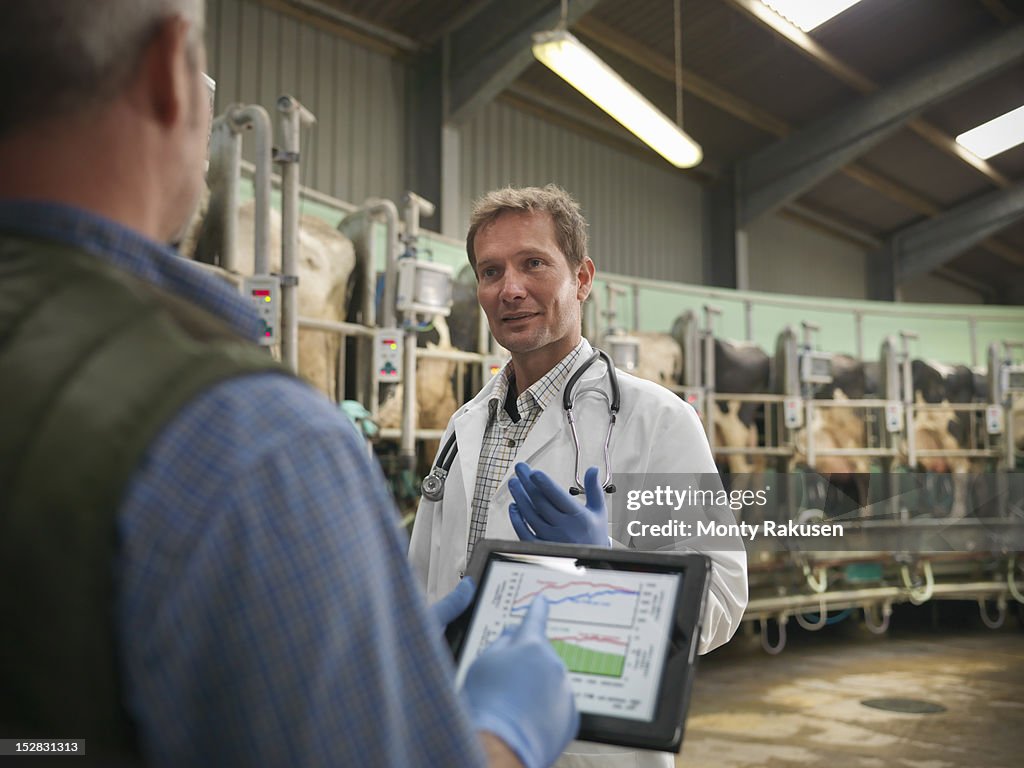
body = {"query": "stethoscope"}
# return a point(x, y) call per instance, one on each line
point(432, 486)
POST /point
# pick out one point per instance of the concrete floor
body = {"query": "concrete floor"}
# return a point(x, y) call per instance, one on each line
point(803, 707)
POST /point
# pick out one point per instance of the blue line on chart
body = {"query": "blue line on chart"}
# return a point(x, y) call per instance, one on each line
point(586, 599)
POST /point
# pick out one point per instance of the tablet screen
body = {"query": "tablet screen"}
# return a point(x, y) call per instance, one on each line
point(610, 627)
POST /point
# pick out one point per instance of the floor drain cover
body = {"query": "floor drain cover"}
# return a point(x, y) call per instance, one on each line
point(907, 706)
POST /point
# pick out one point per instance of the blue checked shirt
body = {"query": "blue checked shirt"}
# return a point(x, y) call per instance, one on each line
point(265, 611)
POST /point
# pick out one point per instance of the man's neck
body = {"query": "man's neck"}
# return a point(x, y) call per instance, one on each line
point(39, 165)
point(531, 367)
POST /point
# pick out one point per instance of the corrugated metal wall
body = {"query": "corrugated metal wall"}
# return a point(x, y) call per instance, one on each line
point(356, 149)
point(787, 257)
point(644, 221)
point(933, 289)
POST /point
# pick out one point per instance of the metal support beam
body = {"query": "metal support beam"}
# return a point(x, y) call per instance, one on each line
point(923, 247)
point(494, 47)
point(809, 47)
point(880, 275)
point(720, 232)
point(783, 171)
point(591, 28)
point(423, 131)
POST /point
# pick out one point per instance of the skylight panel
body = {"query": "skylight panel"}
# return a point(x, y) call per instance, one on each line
point(995, 136)
point(808, 14)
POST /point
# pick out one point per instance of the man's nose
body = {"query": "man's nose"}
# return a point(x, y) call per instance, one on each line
point(513, 286)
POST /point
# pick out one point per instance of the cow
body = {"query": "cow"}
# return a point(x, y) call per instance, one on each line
point(935, 384)
point(740, 368)
point(324, 263)
point(946, 429)
point(660, 358)
point(840, 428)
point(464, 320)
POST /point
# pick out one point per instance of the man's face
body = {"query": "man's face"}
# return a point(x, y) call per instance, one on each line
point(527, 289)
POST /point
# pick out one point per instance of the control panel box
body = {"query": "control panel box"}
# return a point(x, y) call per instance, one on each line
point(894, 417)
point(265, 293)
point(994, 419)
point(493, 364)
point(695, 397)
point(793, 412)
point(388, 349)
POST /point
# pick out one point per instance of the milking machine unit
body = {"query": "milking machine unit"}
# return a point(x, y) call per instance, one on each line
point(623, 349)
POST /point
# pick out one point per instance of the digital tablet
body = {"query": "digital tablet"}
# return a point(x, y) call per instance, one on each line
point(625, 623)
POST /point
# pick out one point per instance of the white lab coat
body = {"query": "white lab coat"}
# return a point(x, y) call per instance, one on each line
point(656, 432)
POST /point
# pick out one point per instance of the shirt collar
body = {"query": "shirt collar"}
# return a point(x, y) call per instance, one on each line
point(132, 252)
point(542, 391)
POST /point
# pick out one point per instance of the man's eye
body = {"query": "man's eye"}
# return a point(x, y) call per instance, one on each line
point(536, 262)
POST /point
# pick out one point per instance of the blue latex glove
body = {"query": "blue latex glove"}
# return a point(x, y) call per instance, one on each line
point(448, 608)
point(518, 689)
point(544, 511)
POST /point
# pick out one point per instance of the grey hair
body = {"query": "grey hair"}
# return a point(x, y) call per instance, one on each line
point(570, 226)
point(61, 56)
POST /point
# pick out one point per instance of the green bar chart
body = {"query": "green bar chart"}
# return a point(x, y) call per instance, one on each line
point(586, 661)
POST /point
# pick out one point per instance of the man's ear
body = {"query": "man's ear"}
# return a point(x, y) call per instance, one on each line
point(166, 72)
point(584, 279)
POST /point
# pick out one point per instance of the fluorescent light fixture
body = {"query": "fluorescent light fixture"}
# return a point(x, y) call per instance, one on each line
point(995, 136)
point(808, 14)
point(584, 71)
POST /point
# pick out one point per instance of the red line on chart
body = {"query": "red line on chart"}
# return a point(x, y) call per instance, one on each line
point(553, 585)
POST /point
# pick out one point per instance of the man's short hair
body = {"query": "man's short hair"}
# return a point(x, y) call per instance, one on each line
point(62, 56)
point(570, 226)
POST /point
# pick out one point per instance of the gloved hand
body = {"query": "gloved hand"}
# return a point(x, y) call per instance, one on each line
point(518, 689)
point(552, 513)
point(448, 608)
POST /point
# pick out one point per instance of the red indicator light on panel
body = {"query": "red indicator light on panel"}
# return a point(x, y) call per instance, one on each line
point(261, 292)
point(268, 333)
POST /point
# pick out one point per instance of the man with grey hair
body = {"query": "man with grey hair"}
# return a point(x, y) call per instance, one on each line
point(528, 248)
point(199, 565)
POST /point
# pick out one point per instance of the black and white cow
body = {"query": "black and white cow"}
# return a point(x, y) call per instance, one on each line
point(740, 368)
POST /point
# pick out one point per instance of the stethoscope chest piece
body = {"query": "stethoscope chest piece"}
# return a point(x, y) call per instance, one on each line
point(432, 486)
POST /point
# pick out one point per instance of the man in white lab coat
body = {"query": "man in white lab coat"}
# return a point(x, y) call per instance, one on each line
point(528, 248)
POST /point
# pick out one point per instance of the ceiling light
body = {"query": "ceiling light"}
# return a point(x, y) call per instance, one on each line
point(584, 71)
point(808, 14)
point(995, 136)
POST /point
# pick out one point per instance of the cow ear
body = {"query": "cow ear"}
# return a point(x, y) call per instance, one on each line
point(584, 279)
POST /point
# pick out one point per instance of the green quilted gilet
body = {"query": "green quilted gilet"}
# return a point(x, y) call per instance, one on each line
point(93, 362)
